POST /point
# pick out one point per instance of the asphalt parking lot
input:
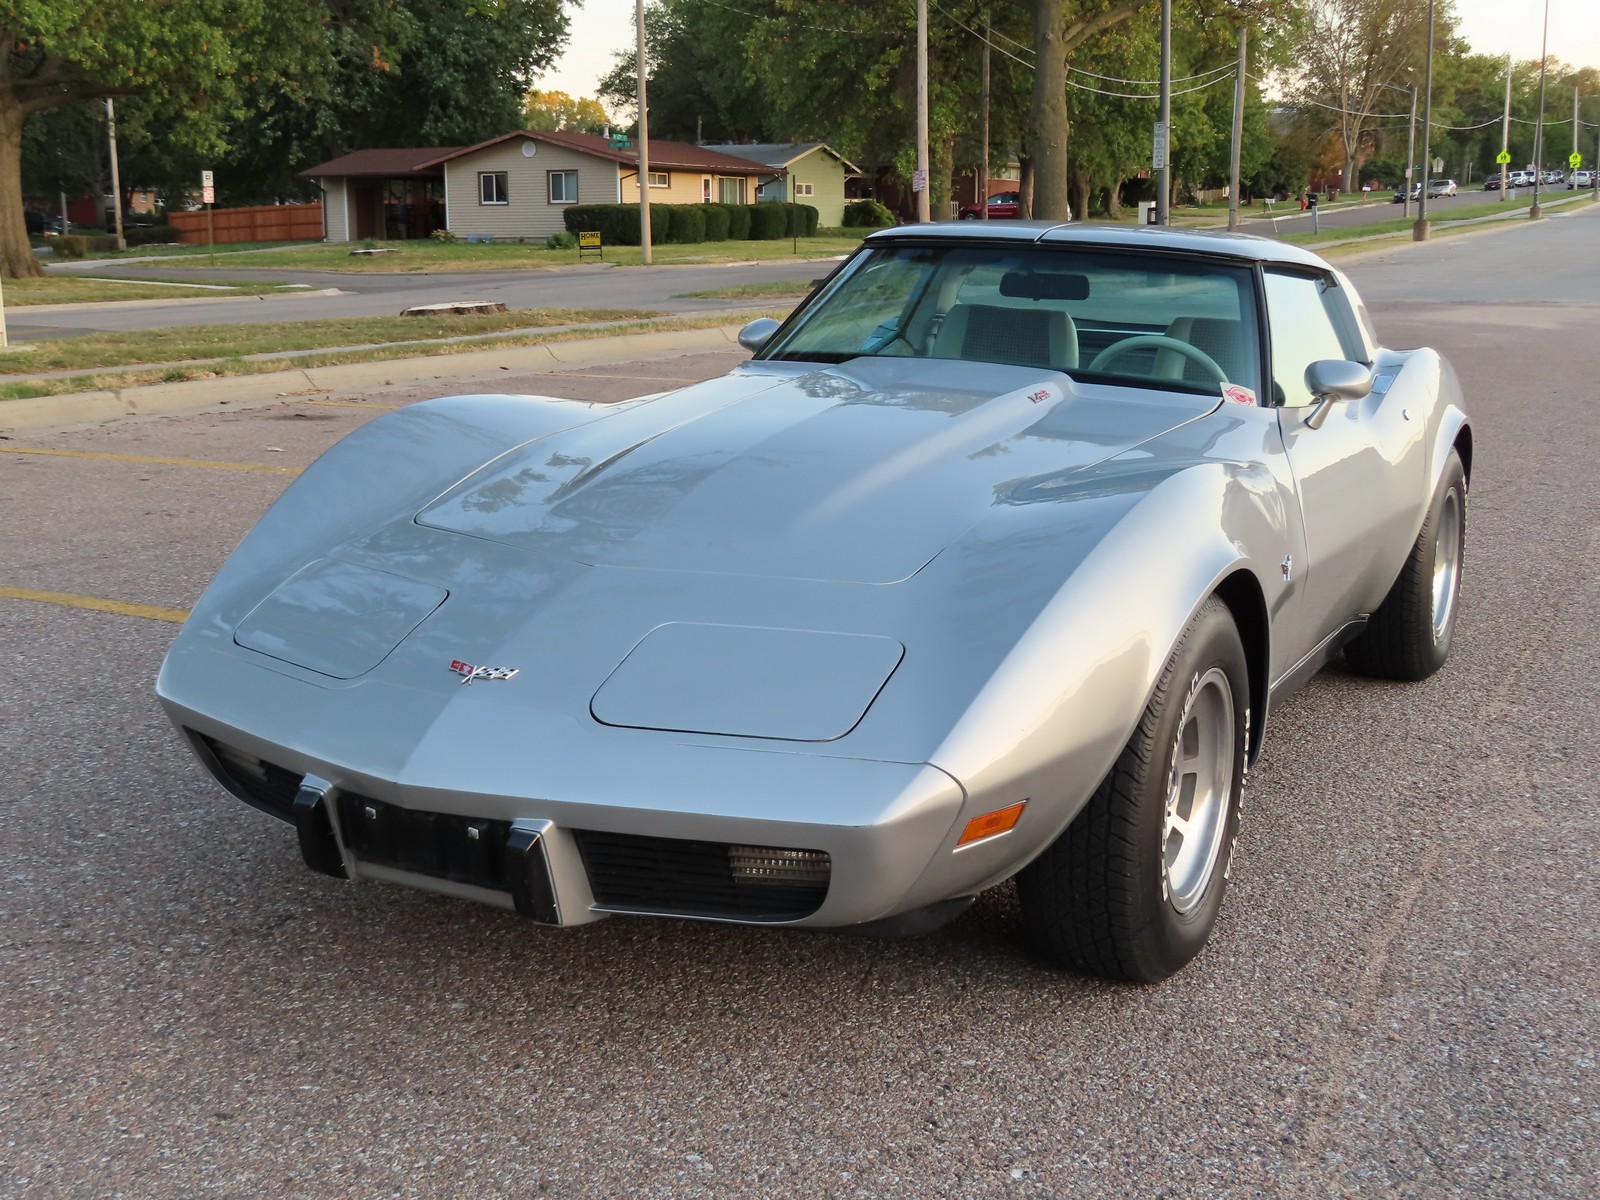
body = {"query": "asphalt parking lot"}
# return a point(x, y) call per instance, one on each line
point(1399, 1000)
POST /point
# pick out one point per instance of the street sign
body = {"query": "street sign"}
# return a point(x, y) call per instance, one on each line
point(1503, 157)
point(621, 141)
point(919, 181)
point(1158, 150)
point(206, 180)
point(1575, 160)
point(208, 195)
point(1438, 165)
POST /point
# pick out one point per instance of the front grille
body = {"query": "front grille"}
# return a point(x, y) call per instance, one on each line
point(442, 845)
point(631, 873)
point(263, 784)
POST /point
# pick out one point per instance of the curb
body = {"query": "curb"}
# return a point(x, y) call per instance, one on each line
point(54, 413)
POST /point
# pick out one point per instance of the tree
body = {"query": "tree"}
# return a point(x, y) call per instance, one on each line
point(557, 110)
point(188, 60)
point(1059, 28)
point(1353, 52)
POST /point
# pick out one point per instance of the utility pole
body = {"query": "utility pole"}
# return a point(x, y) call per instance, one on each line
point(1575, 102)
point(1411, 156)
point(1164, 173)
point(983, 165)
point(1419, 231)
point(1238, 127)
point(923, 212)
point(644, 140)
point(116, 181)
point(1536, 212)
point(1505, 132)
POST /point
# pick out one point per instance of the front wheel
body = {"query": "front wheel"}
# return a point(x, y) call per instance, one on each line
point(1131, 889)
point(1409, 636)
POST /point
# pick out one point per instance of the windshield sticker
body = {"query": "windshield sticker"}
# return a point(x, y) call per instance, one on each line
point(1238, 393)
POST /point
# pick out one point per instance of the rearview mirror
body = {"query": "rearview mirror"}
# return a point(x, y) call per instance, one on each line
point(1331, 380)
point(757, 334)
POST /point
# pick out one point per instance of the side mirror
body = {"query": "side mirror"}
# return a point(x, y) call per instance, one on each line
point(757, 334)
point(1331, 380)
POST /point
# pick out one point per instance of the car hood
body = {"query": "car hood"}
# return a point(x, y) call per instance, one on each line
point(861, 472)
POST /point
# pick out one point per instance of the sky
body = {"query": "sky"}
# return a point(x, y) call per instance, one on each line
point(1489, 26)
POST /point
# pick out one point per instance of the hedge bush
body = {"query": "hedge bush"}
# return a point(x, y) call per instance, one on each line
point(867, 214)
point(738, 222)
point(618, 224)
point(152, 235)
point(768, 222)
point(718, 219)
point(561, 240)
point(802, 220)
point(70, 245)
point(688, 222)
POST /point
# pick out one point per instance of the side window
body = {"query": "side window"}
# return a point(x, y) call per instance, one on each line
point(1303, 331)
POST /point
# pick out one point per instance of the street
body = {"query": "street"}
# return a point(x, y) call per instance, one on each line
point(1399, 1000)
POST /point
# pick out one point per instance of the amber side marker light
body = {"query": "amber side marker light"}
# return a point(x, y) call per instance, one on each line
point(1002, 820)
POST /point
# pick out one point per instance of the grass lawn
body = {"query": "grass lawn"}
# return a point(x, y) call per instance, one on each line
point(431, 256)
point(163, 250)
point(83, 289)
point(188, 343)
point(1444, 217)
point(362, 342)
point(779, 288)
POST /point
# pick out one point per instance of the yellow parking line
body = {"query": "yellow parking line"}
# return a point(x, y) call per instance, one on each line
point(142, 458)
point(122, 608)
point(353, 404)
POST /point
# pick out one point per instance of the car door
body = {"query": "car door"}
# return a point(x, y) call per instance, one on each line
point(1358, 477)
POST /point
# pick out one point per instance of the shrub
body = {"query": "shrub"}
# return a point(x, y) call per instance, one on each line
point(867, 214)
point(70, 245)
point(768, 222)
point(688, 223)
point(718, 219)
point(446, 236)
point(802, 220)
point(738, 222)
point(618, 224)
point(561, 240)
point(153, 235)
point(100, 243)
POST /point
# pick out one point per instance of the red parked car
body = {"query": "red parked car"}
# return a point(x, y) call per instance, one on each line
point(1004, 206)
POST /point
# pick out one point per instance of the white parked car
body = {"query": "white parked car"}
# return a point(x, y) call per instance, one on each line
point(1441, 187)
point(1580, 179)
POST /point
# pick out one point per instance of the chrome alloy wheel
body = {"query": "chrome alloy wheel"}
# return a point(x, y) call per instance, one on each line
point(1446, 564)
point(1199, 790)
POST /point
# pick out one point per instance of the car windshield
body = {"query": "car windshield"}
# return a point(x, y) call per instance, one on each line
point(1126, 317)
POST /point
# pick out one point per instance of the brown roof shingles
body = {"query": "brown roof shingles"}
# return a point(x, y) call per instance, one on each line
point(664, 156)
point(387, 163)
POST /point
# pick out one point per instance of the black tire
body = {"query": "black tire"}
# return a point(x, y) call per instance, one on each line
point(969, 216)
point(1409, 636)
point(1102, 899)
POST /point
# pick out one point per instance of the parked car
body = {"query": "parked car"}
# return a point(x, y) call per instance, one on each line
point(1583, 178)
point(40, 223)
point(1438, 188)
point(1400, 193)
point(1003, 206)
point(1492, 184)
point(997, 559)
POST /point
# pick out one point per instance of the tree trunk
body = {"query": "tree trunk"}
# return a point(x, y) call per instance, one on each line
point(1049, 143)
point(1025, 184)
point(943, 168)
point(1114, 201)
point(17, 259)
point(1080, 193)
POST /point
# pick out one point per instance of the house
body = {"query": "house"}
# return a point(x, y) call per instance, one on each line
point(811, 173)
point(516, 186)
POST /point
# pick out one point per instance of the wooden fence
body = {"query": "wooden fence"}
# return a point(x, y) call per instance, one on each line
point(262, 223)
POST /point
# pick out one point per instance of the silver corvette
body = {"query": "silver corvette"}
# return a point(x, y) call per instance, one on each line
point(993, 561)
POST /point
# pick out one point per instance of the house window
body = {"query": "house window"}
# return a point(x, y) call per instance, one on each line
point(492, 188)
point(660, 179)
point(563, 187)
point(730, 191)
point(805, 189)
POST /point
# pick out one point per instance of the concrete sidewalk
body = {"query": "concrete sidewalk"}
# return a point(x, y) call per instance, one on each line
point(454, 373)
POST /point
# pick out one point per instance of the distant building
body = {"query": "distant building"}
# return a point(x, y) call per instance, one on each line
point(811, 173)
point(514, 186)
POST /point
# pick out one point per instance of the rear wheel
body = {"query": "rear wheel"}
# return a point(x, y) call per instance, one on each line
point(1409, 636)
point(1132, 888)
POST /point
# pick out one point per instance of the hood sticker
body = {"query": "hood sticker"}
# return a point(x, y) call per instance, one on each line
point(1238, 393)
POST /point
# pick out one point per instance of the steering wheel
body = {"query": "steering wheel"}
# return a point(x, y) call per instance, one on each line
point(1160, 341)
